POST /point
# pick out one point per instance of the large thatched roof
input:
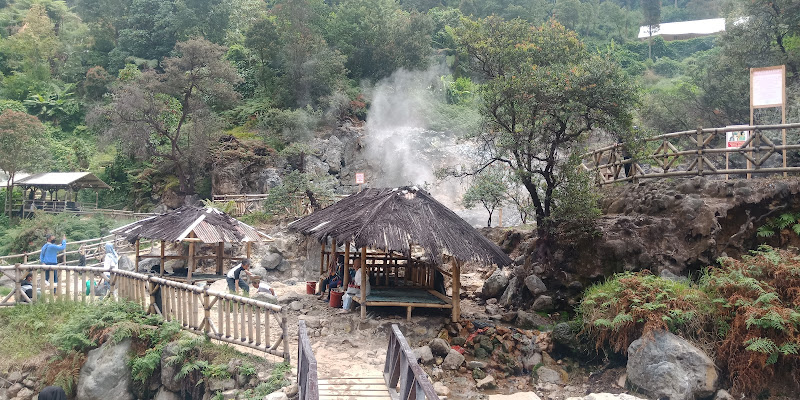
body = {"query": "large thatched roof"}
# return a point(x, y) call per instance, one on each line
point(396, 220)
point(208, 224)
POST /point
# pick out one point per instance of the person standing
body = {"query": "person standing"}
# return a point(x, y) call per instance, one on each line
point(234, 275)
point(49, 256)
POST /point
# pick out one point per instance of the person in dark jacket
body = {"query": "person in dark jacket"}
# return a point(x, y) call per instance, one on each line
point(27, 286)
point(52, 393)
point(49, 255)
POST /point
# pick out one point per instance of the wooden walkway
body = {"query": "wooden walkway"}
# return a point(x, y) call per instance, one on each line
point(369, 388)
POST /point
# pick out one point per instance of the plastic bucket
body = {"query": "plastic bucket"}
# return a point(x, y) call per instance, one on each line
point(336, 299)
point(311, 287)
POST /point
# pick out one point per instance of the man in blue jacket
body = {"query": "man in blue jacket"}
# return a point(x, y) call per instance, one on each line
point(49, 255)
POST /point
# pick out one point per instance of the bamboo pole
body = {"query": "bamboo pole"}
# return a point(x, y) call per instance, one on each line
point(35, 284)
point(161, 268)
point(346, 277)
point(220, 254)
point(364, 283)
point(220, 320)
point(206, 312)
point(137, 255)
point(190, 262)
point(285, 335)
point(322, 259)
point(17, 283)
point(250, 323)
point(258, 327)
point(235, 319)
point(456, 290)
point(248, 250)
point(228, 310)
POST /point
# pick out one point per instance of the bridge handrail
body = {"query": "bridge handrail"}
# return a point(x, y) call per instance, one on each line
point(611, 163)
point(401, 367)
point(32, 256)
point(307, 378)
point(189, 305)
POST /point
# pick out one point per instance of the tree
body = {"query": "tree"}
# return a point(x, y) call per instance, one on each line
point(170, 117)
point(22, 144)
point(545, 95)
point(488, 189)
point(651, 9)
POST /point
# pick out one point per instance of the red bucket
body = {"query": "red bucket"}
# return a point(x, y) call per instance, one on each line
point(311, 287)
point(336, 299)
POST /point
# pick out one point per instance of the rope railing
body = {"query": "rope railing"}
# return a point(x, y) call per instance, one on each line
point(401, 368)
point(239, 320)
point(307, 379)
point(701, 152)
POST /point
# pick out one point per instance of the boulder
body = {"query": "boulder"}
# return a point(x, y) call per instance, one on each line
point(148, 265)
point(535, 285)
point(271, 261)
point(277, 396)
point(164, 394)
point(495, 284)
point(105, 374)
point(171, 265)
point(666, 365)
point(424, 354)
point(125, 263)
point(531, 360)
point(441, 389)
point(476, 365)
point(25, 394)
point(296, 305)
point(548, 375)
point(260, 272)
point(453, 360)
point(515, 396)
point(291, 390)
point(511, 292)
point(168, 372)
point(439, 347)
point(486, 383)
point(606, 396)
point(527, 320)
point(543, 303)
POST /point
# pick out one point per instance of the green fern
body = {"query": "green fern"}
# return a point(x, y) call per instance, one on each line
point(761, 345)
point(765, 231)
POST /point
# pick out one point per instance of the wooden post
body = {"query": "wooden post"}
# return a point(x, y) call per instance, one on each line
point(248, 249)
point(456, 290)
point(136, 267)
point(322, 258)
point(191, 262)
point(17, 284)
point(364, 283)
point(206, 311)
point(161, 270)
point(220, 255)
point(96, 199)
point(346, 277)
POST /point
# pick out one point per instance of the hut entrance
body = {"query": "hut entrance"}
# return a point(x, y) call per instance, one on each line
point(388, 226)
point(195, 227)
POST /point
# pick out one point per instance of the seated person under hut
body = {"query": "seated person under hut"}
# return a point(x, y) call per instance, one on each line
point(334, 278)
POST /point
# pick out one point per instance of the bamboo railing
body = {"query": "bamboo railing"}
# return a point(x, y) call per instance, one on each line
point(68, 256)
point(700, 152)
point(239, 320)
point(307, 379)
point(248, 203)
point(401, 368)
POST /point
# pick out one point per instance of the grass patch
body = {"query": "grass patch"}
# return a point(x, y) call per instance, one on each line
point(276, 381)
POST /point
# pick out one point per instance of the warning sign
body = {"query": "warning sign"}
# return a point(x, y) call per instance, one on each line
point(737, 139)
point(359, 178)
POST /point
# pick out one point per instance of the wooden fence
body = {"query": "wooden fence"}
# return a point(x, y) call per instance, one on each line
point(93, 249)
point(249, 203)
point(26, 208)
point(701, 152)
point(221, 316)
point(401, 368)
point(307, 379)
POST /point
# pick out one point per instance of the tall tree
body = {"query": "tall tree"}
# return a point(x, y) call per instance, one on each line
point(170, 117)
point(651, 10)
point(545, 95)
point(488, 189)
point(22, 144)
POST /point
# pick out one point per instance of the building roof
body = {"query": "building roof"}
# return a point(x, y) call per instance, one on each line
point(209, 225)
point(60, 180)
point(684, 29)
point(398, 219)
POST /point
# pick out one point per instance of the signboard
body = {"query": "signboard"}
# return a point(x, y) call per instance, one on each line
point(359, 178)
point(737, 138)
point(767, 86)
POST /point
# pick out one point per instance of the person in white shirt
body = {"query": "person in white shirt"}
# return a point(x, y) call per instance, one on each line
point(355, 285)
point(233, 277)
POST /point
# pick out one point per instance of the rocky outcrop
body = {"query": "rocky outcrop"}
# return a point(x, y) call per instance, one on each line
point(667, 366)
point(106, 374)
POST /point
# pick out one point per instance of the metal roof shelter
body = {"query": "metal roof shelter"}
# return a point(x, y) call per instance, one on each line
point(51, 183)
point(192, 225)
point(62, 180)
point(684, 29)
point(398, 222)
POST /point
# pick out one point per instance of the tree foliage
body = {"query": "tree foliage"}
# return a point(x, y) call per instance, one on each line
point(22, 141)
point(544, 96)
point(488, 189)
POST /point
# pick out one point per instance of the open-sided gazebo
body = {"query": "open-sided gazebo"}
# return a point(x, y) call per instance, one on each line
point(390, 227)
point(192, 225)
point(41, 191)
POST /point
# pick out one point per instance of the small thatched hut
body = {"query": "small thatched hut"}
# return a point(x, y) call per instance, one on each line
point(394, 224)
point(192, 225)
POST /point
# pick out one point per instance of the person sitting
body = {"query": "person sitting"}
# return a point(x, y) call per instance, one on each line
point(233, 277)
point(334, 278)
point(27, 287)
point(354, 287)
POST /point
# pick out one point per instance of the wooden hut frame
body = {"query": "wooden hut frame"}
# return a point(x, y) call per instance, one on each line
point(387, 226)
point(193, 226)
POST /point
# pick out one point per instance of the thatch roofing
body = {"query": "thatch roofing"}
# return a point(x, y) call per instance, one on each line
point(208, 224)
point(396, 220)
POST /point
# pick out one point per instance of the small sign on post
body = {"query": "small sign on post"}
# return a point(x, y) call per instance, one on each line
point(737, 139)
point(768, 89)
point(359, 179)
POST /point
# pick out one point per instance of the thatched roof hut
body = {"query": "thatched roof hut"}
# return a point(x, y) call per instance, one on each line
point(192, 225)
point(396, 220)
point(396, 223)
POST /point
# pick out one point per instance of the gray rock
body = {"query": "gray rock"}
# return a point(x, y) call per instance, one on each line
point(288, 298)
point(511, 292)
point(424, 354)
point(291, 390)
point(149, 264)
point(526, 319)
point(486, 383)
point(532, 360)
point(332, 154)
point(221, 385)
point(476, 364)
point(105, 374)
point(548, 375)
point(277, 396)
point(723, 394)
point(439, 347)
point(14, 376)
point(535, 285)
point(543, 303)
point(441, 389)
point(171, 265)
point(667, 274)
point(314, 166)
point(125, 263)
point(453, 360)
point(495, 284)
point(492, 309)
point(229, 394)
point(260, 272)
point(164, 394)
point(296, 305)
point(271, 261)
point(25, 394)
point(669, 366)
point(606, 396)
point(312, 322)
point(168, 371)
point(14, 389)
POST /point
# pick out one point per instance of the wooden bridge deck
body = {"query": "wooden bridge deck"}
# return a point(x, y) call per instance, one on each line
point(364, 387)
